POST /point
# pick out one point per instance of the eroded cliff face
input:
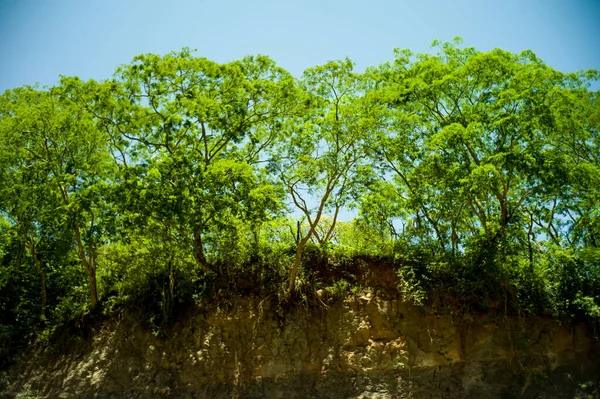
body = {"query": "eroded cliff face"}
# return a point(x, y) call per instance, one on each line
point(366, 346)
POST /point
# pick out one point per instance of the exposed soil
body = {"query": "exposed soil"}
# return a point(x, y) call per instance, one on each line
point(367, 346)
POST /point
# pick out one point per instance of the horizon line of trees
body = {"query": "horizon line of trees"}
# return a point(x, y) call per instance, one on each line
point(178, 163)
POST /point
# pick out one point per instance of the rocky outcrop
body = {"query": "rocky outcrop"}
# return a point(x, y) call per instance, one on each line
point(366, 346)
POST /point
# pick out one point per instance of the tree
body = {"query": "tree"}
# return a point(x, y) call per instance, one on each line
point(189, 134)
point(57, 165)
point(318, 160)
point(480, 143)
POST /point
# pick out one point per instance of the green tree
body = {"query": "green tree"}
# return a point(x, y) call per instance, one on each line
point(476, 141)
point(57, 166)
point(318, 160)
point(22, 191)
point(189, 134)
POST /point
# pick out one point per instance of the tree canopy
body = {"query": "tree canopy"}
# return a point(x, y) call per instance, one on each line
point(476, 173)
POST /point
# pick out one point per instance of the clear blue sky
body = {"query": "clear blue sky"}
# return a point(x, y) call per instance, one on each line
point(42, 39)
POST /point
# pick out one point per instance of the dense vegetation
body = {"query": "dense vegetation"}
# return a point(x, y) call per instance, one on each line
point(476, 174)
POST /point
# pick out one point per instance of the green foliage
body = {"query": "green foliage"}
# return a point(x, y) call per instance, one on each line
point(181, 178)
point(341, 289)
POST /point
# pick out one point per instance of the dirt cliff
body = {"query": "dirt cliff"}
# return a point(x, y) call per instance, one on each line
point(366, 346)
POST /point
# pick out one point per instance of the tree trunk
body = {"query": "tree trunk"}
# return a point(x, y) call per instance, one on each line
point(529, 237)
point(169, 295)
point(199, 256)
point(90, 269)
point(298, 260)
point(40, 271)
point(171, 276)
point(503, 213)
point(93, 290)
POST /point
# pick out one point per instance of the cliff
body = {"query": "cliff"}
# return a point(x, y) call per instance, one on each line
point(370, 345)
